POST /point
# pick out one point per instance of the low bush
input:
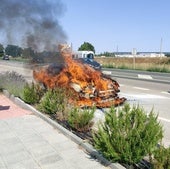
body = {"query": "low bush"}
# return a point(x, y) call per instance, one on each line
point(32, 93)
point(53, 101)
point(161, 158)
point(81, 120)
point(128, 134)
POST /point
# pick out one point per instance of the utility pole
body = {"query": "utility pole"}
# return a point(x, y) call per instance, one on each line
point(71, 47)
point(117, 50)
point(134, 55)
point(161, 48)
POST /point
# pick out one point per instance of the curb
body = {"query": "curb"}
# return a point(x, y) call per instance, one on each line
point(89, 148)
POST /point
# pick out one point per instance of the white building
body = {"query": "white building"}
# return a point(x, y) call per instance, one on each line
point(151, 55)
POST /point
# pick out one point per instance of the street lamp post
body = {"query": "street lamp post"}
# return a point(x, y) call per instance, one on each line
point(134, 55)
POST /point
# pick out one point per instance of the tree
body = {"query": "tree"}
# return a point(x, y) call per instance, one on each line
point(1, 50)
point(87, 46)
point(28, 53)
point(13, 50)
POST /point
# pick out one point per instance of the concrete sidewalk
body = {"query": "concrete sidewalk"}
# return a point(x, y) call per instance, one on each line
point(29, 142)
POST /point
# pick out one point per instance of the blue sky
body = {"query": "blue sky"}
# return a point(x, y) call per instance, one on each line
point(118, 25)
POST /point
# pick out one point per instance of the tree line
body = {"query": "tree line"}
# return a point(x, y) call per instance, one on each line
point(16, 51)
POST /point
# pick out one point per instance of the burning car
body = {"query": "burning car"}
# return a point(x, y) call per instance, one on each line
point(91, 87)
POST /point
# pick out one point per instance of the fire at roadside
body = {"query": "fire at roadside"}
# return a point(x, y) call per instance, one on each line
point(91, 87)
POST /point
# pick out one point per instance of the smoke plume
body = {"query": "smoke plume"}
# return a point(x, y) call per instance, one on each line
point(32, 23)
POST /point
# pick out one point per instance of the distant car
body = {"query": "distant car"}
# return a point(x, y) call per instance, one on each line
point(5, 57)
point(87, 57)
point(91, 63)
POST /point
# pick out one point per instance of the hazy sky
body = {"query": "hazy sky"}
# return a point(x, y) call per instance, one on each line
point(118, 25)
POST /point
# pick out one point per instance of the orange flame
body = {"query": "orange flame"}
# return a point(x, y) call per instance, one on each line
point(90, 85)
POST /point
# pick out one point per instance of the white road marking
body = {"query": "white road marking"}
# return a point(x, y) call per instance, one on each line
point(164, 119)
point(121, 85)
point(163, 92)
point(140, 88)
point(141, 76)
point(144, 96)
point(106, 72)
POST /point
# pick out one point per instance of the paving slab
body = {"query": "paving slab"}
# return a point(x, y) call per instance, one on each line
point(29, 142)
point(8, 109)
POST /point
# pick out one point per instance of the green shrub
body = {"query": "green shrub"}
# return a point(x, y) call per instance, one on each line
point(13, 82)
point(32, 93)
point(53, 101)
point(161, 158)
point(128, 134)
point(81, 120)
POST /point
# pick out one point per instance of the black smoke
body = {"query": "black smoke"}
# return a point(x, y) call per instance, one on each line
point(32, 23)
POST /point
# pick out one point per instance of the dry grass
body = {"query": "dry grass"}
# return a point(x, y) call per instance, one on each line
point(150, 64)
point(13, 82)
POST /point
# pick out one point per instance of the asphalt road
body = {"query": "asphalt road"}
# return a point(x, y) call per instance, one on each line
point(17, 67)
point(140, 75)
point(149, 90)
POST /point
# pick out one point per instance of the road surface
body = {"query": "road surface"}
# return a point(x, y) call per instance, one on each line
point(140, 75)
point(17, 67)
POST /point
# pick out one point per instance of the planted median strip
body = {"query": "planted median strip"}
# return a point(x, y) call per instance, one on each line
point(127, 135)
